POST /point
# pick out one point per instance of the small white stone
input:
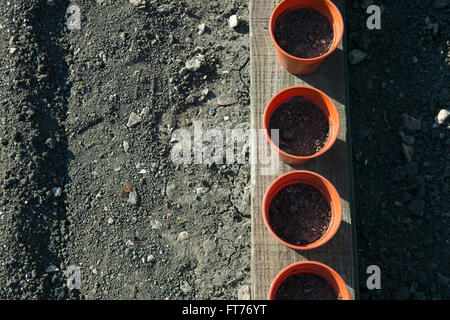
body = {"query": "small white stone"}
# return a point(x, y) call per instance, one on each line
point(12, 50)
point(234, 21)
point(183, 236)
point(133, 197)
point(133, 120)
point(195, 64)
point(201, 29)
point(244, 293)
point(126, 146)
point(442, 116)
point(138, 3)
point(110, 220)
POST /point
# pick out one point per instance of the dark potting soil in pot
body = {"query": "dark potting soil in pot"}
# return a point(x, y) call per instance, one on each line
point(304, 130)
point(299, 214)
point(306, 286)
point(304, 33)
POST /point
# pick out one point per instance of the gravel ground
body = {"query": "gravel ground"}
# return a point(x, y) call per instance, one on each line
point(401, 165)
point(85, 112)
point(86, 128)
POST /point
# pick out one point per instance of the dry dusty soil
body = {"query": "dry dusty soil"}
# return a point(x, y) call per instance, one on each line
point(86, 131)
point(68, 146)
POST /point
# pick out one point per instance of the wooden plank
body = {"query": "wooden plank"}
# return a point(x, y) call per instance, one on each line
point(267, 78)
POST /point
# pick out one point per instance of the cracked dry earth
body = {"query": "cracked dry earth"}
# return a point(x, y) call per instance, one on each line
point(84, 112)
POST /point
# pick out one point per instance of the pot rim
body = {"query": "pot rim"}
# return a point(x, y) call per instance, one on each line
point(333, 195)
point(309, 266)
point(334, 133)
point(336, 43)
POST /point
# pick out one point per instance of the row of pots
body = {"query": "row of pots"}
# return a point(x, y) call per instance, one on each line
point(300, 66)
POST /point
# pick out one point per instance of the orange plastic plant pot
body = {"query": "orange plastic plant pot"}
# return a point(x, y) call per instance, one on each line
point(313, 267)
point(320, 183)
point(301, 66)
point(317, 97)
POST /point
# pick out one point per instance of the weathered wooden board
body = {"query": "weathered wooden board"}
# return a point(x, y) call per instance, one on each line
point(267, 78)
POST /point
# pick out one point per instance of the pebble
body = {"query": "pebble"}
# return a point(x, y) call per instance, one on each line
point(356, 56)
point(126, 188)
point(183, 236)
point(50, 143)
point(212, 111)
point(133, 120)
point(144, 112)
point(411, 123)
point(126, 146)
point(51, 268)
point(151, 258)
point(442, 117)
point(190, 99)
point(205, 92)
point(57, 191)
point(129, 243)
point(185, 287)
point(164, 8)
point(154, 223)
point(133, 198)
point(234, 21)
point(171, 190)
point(195, 63)
point(138, 3)
point(201, 28)
point(244, 293)
point(183, 71)
point(12, 50)
point(110, 220)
